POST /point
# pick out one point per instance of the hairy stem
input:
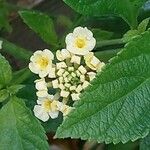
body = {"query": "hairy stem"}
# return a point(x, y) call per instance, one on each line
point(109, 42)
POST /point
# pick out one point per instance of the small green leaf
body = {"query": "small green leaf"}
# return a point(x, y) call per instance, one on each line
point(143, 25)
point(15, 88)
point(145, 143)
point(133, 33)
point(41, 24)
point(127, 9)
point(5, 72)
point(129, 35)
point(115, 107)
point(4, 94)
point(19, 130)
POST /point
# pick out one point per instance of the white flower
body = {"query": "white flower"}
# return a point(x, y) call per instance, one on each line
point(92, 62)
point(65, 109)
point(91, 75)
point(81, 41)
point(75, 96)
point(41, 62)
point(46, 108)
point(52, 73)
point(1, 42)
point(76, 59)
point(63, 54)
point(42, 93)
point(40, 84)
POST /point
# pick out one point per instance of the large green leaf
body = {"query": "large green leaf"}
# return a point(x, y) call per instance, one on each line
point(41, 24)
point(19, 130)
point(145, 143)
point(5, 72)
point(127, 9)
point(116, 106)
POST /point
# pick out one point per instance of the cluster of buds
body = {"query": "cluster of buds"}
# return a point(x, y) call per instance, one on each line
point(75, 67)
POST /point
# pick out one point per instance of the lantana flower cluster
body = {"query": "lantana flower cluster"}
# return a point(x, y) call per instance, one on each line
point(63, 80)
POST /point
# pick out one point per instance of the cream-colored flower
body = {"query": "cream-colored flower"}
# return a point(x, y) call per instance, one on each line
point(93, 62)
point(42, 93)
point(63, 54)
point(41, 62)
point(75, 96)
point(52, 73)
point(65, 109)
point(41, 84)
point(75, 59)
point(91, 75)
point(46, 108)
point(1, 42)
point(81, 41)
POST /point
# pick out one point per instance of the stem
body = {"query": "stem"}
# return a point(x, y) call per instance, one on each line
point(109, 42)
point(106, 55)
point(16, 51)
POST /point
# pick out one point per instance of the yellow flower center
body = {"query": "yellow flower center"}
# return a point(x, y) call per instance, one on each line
point(47, 105)
point(80, 42)
point(43, 62)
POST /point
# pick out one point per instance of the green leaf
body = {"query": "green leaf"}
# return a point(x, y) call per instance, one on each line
point(5, 72)
point(145, 143)
point(3, 95)
point(121, 146)
point(41, 24)
point(115, 108)
point(127, 9)
point(129, 35)
point(133, 33)
point(19, 129)
point(16, 51)
point(143, 25)
point(28, 93)
point(15, 88)
point(21, 76)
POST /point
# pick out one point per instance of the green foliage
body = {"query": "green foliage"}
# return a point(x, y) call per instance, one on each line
point(133, 33)
point(41, 24)
point(5, 72)
point(4, 22)
point(102, 34)
point(21, 76)
point(145, 143)
point(19, 129)
point(143, 25)
point(127, 9)
point(115, 108)
point(3, 95)
point(14, 89)
point(16, 51)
